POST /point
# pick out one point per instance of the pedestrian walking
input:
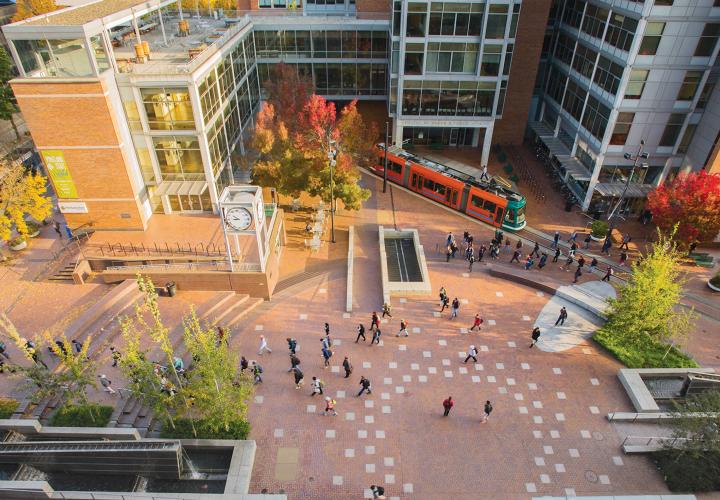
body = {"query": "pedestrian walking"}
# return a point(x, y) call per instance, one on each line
point(535, 335)
point(78, 345)
point(375, 321)
point(506, 248)
point(606, 245)
point(376, 337)
point(569, 261)
point(453, 249)
point(243, 364)
point(445, 303)
point(264, 345)
point(471, 261)
point(455, 308)
point(443, 294)
point(116, 355)
point(448, 253)
point(294, 361)
point(573, 237)
point(481, 252)
point(623, 257)
point(450, 239)
point(360, 333)
point(581, 261)
point(56, 227)
point(317, 386)
point(588, 239)
point(563, 316)
point(608, 273)
point(292, 345)
point(326, 342)
point(578, 274)
point(347, 367)
point(573, 249)
point(327, 354)
point(299, 376)
point(403, 328)
point(519, 244)
point(447, 405)
point(257, 372)
point(516, 256)
point(556, 239)
point(477, 322)
point(327, 330)
point(472, 353)
point(536, 250)
point(364, 386)
point(377, 492)
point(3, 350)
point(543, 260)
point(557, 255)
point(487, 410)
point(626, 239)
point(107, 384)
point(593, 265)
point(529, 262)
point(386, 310)
point(330, 406)
point(484, 174)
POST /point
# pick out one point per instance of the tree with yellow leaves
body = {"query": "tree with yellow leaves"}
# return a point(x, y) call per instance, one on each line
point(31, 8)
point(21, 194)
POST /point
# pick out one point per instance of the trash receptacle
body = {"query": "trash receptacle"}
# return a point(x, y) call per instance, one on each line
point(171, 288)
point(568, 206)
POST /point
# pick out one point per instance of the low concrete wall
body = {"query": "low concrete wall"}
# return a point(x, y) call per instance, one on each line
point(81, 272)
point(403, 289)
point(31, 427)
point(350, 267)
point(517, 278)
point(637, 391)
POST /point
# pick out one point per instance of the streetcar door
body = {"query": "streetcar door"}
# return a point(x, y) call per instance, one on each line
point(499, 216)
point(453, 137)
point(414, 180)
point(420, 182)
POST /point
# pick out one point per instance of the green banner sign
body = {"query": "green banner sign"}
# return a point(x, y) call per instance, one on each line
point(59, 173)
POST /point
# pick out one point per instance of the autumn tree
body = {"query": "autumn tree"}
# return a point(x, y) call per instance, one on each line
point(31, 8)
point(8, 105)
point(692, 202)
point(294, 134)
point(21, 194)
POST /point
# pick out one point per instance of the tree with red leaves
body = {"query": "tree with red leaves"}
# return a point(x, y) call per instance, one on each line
point(292, 140)
point(692, 202)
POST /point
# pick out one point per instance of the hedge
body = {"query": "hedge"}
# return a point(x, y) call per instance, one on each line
point(92, 415)
point(7, 407)
point(239, 429)
point(685, 473)
point(647, 355)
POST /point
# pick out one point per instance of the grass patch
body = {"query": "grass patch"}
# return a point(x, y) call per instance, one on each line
point(239, 429)
point(7, 407)
point(648, 355)
point(92, 415)
point(686, 473)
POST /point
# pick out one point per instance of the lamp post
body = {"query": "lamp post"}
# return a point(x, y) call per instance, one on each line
point(332, 155)
point(387, 134)
point(638, 156)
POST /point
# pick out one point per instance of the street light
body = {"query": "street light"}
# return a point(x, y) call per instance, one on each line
point(387, 134)
point(332, 156)
point(638, 156)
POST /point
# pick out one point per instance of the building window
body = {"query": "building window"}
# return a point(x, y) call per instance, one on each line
point(584, 61)
point(514, 20)
point(636, 84)
point(608, 74)
point(458, 19)
point(496, 22)
point(168, 108)
point(574, 99)
point(664, 2)
point(707, 90)
point(622, 129)
point(397, 18)
point(708, 39)
point(672, 129)
point(508, 59)
point(596, 117)
point(594, 20)
point(572, 15)
point(556, 84)
point(490, 65)
point(448, 57)
point(651, 39)
point(689, 86)
point(416, 20)
point(686, 138)
point(414, 53)
point(179, 158)
point(564, 48)
point(621, 31)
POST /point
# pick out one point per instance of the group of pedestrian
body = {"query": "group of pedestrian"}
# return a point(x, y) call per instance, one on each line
point(449, 404)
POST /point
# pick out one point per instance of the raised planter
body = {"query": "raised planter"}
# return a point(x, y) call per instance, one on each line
point(594, 238)
point(35, 234)
point(713, 287)
point(18, 246)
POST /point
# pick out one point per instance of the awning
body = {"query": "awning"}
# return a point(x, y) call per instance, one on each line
point(181, 187)
point(556, 148)
point(573, 166)
point(615, 189)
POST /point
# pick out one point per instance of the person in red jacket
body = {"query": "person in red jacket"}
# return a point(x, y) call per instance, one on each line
point(448, 404)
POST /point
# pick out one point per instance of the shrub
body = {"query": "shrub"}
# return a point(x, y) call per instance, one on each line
point(599, 228)
point(647, 354)
point(715, 280)
point(239, 429)
point(91, 415)
point(7, 407)
point(16, 240)
point(688, 473)
point(32, 227)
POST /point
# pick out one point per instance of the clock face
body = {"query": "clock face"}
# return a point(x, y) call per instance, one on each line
point(238, 218)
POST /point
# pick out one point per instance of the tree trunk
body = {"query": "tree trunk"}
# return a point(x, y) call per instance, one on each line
point(15, 129)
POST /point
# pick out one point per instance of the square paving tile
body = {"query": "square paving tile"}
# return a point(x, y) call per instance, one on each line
point(369, 419)
point(560, 417)
point(492, 322)
point(414, 366)
point(259, 399)
point(478, 367)
point(385, 395)
point(422, 378)
point(340, 394)
point(427, 354)
point(369, 403)
point(618, 461)
point(557, 371)
point(540, 461)
point(530, 487)
point(416, 329)
point(362, 434)
point(524, 366)
point(523, 410)
point(559, 468)
point(369, 468)
point(594, 381)
point(475, 379)
point(278, 433)
point(392, 365)
point(311, 408)
point(484, 348)
point(387, 381)
point(510, 381)
point(407, 378)
point(337, 480)
point(349, 453)
point(448, 373)
point(386, 409)
point(574, 453)
point(532, 386)
point(389, 478)
point(407, 488)
point(399, 389)
point(389, 461)
point(350, 415)
point(367, 364)
point(379, 434)
point(330, 433)
point(432, 370)
point(369, 450)
point(491, 379)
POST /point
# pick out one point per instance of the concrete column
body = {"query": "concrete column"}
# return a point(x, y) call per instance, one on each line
point(476, 137)
point(487, 144)
point(398, 132)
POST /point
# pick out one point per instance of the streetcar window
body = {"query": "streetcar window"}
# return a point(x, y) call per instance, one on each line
point(395, 167)
point(510, 216)
point(414, 180)
point(454, 200)
point(521, 214)
point(476, 201)
point(489, 206)
point(436, 187)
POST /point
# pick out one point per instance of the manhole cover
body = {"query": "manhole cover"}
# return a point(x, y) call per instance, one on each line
point(264, 491)
point(591, 476)
point(598, 436)
point(282, 491)
point(311, 479)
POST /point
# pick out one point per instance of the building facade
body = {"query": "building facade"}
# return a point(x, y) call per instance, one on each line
point(138, 107)
point(622, 76)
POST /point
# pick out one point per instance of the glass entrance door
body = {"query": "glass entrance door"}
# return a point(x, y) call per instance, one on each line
point(453, 137)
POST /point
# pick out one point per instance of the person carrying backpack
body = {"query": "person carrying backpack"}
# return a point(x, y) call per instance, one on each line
point(257, 371)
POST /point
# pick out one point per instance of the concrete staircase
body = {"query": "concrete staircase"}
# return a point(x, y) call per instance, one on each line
point(64, 275)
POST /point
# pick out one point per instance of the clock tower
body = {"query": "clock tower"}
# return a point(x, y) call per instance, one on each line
point(242, 213)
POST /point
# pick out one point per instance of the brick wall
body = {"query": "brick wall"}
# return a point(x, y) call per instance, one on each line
point(526, 57)
point(373, 6)
point(78, 119)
